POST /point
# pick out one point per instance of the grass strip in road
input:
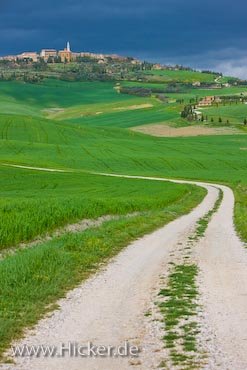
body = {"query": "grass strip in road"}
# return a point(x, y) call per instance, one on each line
point(202, 224)
point(33, 280)
point(178, 309)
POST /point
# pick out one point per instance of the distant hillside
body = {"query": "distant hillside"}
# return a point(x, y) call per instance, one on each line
point(107, 69)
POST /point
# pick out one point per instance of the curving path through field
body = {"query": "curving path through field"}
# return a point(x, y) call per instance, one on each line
point(109, 307)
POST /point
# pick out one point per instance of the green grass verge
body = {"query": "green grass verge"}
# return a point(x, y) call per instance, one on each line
point(33, 203)
point(33, 279)
point(240, 210)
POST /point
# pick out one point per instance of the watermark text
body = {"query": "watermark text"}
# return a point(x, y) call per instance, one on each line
point(73, 349)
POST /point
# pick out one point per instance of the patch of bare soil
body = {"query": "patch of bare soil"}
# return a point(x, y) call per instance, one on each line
point(134, 107)
point(162, 130)
point(53, 110)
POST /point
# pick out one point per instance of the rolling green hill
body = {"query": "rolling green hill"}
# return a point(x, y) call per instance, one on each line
point(19, 97)
point(183, 76)
point(48, 143)
point(100, 103)
point(234, 113)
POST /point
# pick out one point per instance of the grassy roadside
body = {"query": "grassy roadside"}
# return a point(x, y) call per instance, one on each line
point(33, 280)
point(57, 199)
point(240, 210)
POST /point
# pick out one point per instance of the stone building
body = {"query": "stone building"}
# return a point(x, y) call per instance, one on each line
point(29, 55)
point(66, 54)
point(47, 53)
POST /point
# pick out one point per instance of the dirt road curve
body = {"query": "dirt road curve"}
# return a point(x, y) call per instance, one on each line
point(109, 308)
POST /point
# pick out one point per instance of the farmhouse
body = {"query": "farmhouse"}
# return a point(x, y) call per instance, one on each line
point(196, 84)
point(157, 67)
point(208, 101)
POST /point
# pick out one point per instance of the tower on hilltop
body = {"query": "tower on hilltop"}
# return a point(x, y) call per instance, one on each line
point(66, 54)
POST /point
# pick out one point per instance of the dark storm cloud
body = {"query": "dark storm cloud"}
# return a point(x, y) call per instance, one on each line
point(208, 33)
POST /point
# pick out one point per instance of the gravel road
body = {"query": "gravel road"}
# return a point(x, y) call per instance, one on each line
point(109, 308)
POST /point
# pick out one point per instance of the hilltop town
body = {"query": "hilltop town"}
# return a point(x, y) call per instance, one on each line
point(67, 65)
point(65, 55)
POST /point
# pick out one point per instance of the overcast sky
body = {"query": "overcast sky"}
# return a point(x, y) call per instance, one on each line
point(200, 33)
